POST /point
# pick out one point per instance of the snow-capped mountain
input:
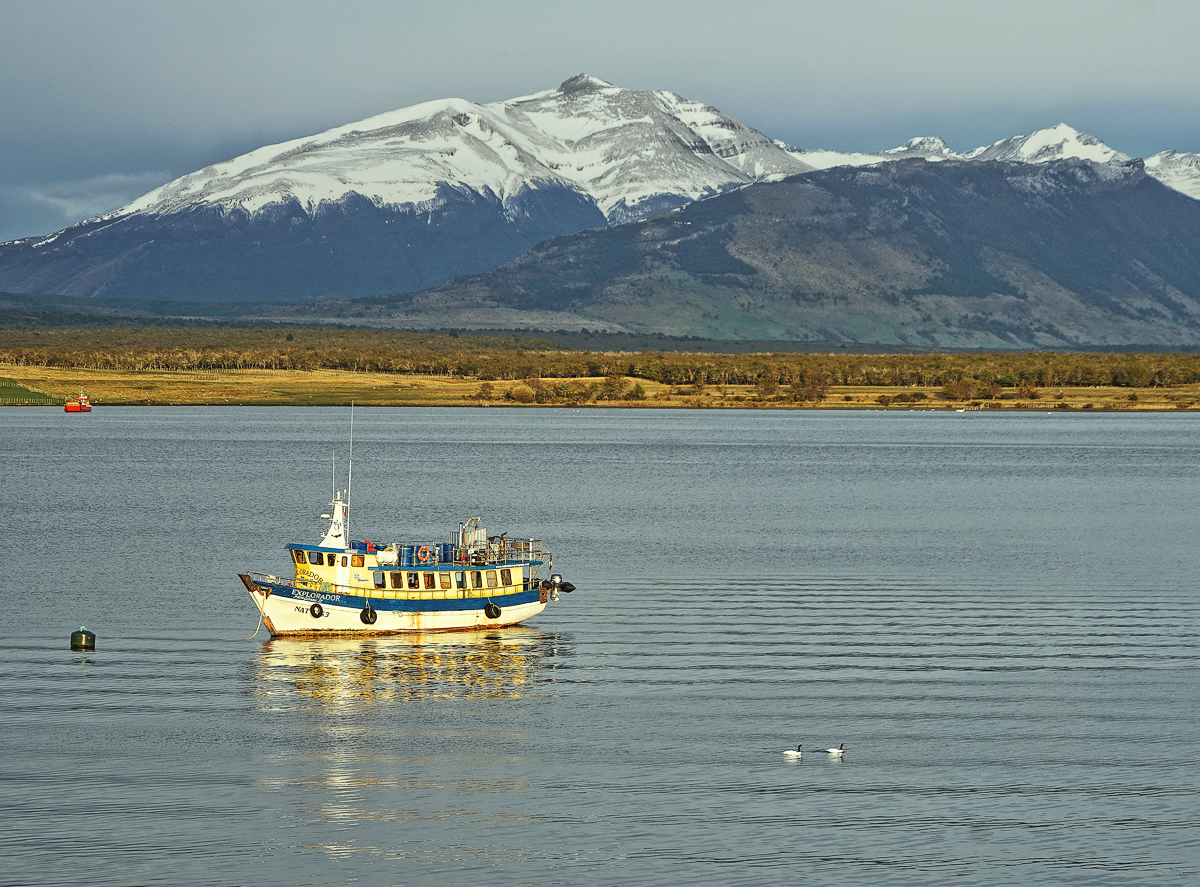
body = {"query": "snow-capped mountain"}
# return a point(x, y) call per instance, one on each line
point(631, 152)
point(1058, 142)
point(405, 200)
point(1178, 171)
point(409, 199)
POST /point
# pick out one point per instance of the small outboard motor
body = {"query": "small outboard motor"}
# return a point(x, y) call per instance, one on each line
point(555, 584)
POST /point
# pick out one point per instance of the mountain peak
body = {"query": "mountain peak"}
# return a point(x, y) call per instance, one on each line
point(583, 83)
point(1058, 142)
point(925, 145)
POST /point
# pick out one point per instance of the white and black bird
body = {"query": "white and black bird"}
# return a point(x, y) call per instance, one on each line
point(794, 752)
point(837, 752)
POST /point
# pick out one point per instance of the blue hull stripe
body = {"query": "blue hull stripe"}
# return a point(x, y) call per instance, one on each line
point(401, 604)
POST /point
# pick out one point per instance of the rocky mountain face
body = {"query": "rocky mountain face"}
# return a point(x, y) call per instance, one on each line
point(955, 253)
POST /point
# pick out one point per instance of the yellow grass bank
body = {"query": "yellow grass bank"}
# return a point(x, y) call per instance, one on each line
point(336, 387)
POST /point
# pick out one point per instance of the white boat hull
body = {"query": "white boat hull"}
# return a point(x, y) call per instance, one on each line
point(289, 610)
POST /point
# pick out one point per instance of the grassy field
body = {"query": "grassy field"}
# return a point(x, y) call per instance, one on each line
point(322, 387)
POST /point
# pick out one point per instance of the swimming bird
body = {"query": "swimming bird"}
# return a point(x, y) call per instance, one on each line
point(794, 752)
point(839, 751)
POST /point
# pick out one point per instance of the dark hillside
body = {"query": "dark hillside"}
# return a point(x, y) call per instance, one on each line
point(950, 254)
point(349, 248)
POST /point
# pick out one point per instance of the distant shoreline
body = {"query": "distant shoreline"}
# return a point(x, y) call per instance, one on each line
point(322, 387)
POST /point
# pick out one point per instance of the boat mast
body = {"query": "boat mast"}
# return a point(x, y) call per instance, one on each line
point(349, 476)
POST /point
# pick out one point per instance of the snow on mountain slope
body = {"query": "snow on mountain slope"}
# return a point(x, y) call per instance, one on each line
point(639, 152)
point(819, 158)
point(930, 147)
point(1058, 142)
point(632, 152)
point(1178, 171)
point(395, 158)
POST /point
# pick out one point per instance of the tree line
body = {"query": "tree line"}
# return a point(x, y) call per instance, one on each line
point(501, 358)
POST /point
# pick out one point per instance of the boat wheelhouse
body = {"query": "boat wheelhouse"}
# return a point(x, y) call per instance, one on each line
point(470, 581)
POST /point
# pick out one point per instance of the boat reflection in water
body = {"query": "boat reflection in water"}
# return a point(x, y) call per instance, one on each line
point(483, 664)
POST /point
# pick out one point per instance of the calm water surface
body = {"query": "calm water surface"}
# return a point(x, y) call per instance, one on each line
point(996, 614)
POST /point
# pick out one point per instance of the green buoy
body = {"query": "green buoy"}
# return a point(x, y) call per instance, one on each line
point(83, 639)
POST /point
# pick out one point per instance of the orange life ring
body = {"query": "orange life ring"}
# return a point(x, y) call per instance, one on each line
point(423, 554)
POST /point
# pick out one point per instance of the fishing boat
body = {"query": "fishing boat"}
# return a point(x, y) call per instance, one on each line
point(469, 581)
point(78, 404)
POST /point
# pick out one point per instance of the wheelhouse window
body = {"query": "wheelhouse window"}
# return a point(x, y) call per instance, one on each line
point(298, 555)
point(356, 560)
point(315, 557)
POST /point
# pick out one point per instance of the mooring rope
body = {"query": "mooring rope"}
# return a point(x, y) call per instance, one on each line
point(261, 614)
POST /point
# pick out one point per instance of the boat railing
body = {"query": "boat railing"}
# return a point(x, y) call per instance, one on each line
point(501, 551)
point(493, 552)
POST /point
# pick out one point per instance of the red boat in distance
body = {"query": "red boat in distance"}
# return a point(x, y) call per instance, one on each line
point(78, 404)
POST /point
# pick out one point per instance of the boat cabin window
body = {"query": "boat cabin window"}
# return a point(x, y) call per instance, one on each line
point(460, 580)
point(315, 557)
point(380, 579)
point(506, 577)
point(430, 581)
point(397, 580)
point(414, 580)
point(445, 579)
point(356, 560)
point(476, 579)
point(298, 555)
point(343, 560)
point(491, 577)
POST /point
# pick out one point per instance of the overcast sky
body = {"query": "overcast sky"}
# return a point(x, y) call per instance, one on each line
point(103, 101)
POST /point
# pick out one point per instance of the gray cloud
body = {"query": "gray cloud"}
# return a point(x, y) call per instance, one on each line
point(93, 196)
